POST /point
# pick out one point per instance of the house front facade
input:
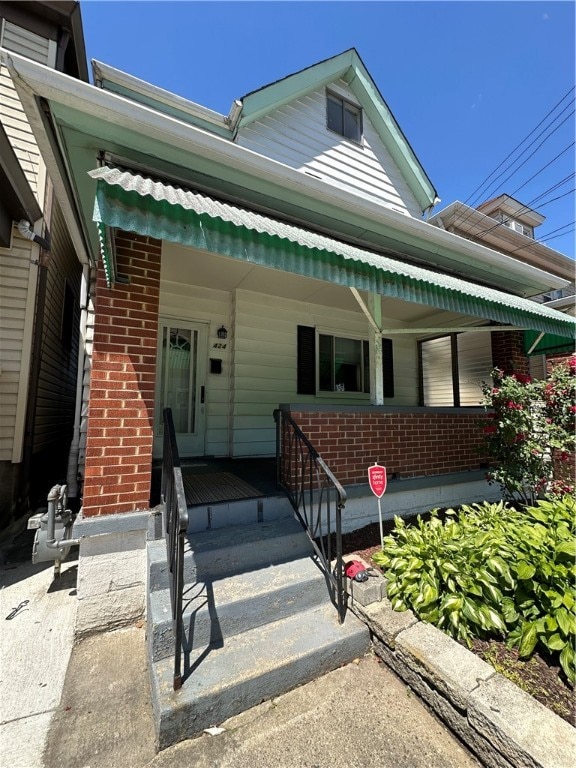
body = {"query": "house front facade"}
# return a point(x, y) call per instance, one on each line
point(273, 258)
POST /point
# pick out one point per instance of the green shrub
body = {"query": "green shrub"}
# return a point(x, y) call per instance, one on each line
point(491, 571)
point(530, 431)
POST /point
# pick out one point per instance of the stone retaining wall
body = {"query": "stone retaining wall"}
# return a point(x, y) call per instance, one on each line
point(504, 726)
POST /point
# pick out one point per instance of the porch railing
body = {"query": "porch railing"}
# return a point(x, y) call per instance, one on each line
point(175, 525)
point(317, 498)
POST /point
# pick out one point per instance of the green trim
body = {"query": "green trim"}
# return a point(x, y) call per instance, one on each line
point(549, 344)
point(106, 252)
point(349, 67)
point(135, 204)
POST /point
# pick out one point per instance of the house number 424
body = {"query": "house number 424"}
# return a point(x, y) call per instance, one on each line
point(218, 345)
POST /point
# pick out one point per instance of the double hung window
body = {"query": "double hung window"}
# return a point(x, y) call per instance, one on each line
point(329, 363)
point(343, 117)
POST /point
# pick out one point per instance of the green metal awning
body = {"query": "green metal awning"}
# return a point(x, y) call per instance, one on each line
point(546, 344)
point(137, 204)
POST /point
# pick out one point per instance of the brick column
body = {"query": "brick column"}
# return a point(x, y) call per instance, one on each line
point(508, 352)
point(121, 403)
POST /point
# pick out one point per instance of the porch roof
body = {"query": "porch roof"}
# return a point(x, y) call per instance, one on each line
point(131, 202)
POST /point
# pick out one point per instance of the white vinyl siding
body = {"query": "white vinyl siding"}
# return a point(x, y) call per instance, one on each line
point(17, 287)
point(437, 372)
point(265, 364)
point(12, 116)
point(297, 136)
point(474, 365)
point(259, 360)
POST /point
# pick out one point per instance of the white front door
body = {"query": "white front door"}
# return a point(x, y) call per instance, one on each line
point(181, 384)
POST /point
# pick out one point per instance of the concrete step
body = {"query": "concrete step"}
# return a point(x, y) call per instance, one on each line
point(252, 667)
point(206, 517)
point(215, 610)
point(223, 552)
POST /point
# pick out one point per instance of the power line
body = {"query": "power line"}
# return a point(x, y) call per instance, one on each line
point(527, 207)
point(520, 144)
point(545, 239)
point(479, 188)
point(529, 156)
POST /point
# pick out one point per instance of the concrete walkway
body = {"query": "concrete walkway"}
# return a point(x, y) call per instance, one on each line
point(360, 716)
point(35, 648)
point(92, 710)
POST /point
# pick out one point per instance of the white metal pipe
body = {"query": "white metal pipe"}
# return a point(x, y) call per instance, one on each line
point(73, 456)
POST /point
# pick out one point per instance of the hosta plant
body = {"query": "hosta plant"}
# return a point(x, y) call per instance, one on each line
point(490, 571)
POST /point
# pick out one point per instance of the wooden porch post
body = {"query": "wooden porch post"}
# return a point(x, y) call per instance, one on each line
point(375, 347)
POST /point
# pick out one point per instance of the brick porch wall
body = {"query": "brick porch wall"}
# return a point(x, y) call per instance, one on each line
point(508, 352)
point(409, 444)
point(121, 404)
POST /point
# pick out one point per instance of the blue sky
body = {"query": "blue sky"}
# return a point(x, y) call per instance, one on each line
point(469, 82)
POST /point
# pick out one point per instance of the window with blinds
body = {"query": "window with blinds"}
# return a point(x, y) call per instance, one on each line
point(453, 368)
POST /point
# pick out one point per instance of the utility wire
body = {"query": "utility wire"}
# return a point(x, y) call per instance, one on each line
point(548, 237)
point(520, 144)
point(510, 154)
point(528, 206)
point(543, 168)
point(527, 159)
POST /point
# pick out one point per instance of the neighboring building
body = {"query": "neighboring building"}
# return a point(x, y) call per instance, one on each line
point(40, 274)
point(272, 257)
point(509, 226)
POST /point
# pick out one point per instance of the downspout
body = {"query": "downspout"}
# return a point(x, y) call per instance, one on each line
point(25, 229)
point(74, 454)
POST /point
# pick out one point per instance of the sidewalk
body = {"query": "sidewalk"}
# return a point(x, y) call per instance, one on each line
point(93, 709)
point(35, 650)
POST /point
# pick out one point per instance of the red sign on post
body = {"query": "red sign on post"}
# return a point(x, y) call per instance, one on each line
point(377, 479)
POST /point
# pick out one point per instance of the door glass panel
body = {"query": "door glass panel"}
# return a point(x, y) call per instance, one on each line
point(178, 376)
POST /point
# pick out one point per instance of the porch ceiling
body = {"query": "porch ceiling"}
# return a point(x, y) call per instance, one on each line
point(133, 203)
point(183, 266)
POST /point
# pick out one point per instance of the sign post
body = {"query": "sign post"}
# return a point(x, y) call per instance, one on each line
point(378, 481)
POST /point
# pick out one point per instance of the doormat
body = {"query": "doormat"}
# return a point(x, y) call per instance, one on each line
point(212, 487)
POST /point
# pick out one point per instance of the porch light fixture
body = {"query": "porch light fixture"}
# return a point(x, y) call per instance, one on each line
point(222, 333)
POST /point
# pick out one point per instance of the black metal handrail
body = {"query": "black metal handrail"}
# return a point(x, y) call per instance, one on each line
point(175, 526)
point(314, 494)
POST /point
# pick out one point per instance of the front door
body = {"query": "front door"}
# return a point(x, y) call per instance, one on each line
point(181, 385)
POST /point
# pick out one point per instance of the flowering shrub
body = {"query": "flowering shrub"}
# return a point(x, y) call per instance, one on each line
point(531, 432)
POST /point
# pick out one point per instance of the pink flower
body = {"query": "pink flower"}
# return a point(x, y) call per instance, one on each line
point(522, 378)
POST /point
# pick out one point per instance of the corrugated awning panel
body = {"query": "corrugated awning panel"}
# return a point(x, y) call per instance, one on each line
point(133, 203)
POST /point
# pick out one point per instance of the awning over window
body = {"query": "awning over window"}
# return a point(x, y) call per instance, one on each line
point(136, 204)
point(548, 344)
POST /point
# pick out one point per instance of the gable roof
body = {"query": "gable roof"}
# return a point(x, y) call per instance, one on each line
point(347, 66)
point(86, 120)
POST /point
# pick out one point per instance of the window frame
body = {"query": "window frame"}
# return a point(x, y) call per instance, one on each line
point(354, 109)
point(363, 365)
point(308, 364)
point(455, 353)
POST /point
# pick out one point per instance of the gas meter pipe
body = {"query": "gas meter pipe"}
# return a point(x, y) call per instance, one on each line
point(57, 493)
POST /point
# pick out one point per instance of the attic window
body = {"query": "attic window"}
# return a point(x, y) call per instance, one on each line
point(343, 117)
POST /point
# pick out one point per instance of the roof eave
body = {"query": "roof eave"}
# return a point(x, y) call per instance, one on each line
point(34, 81)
